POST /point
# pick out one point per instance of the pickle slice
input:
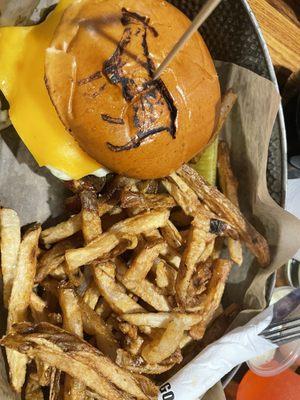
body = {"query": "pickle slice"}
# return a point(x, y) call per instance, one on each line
point(206, 165)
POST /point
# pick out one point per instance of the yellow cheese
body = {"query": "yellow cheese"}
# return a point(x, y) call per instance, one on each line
point(31, 111)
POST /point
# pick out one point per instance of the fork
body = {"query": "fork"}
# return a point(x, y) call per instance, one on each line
point(283, 332)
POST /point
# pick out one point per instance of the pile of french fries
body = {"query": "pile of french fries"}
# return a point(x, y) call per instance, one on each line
point(116, 292)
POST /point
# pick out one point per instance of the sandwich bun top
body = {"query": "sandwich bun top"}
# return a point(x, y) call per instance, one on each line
point(99, 70)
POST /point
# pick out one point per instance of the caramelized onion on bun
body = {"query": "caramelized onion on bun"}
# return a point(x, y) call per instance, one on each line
point(99, 71)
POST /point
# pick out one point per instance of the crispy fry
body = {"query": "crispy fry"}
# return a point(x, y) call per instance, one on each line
point(75, 258)
point(162, 319)
point(143, 289)
point(223, 207)
point(164, 346)
point(171, 235)
point(94, 325)
point(76, 357)
point(38, 308)
point(142, 223)
point(211, 299)
point(33, 390)
point(229, 186)
point(103, 309)
point(138, 365)
point(195, 247)
point(20, 300)
point(107, 241)
point(142, 263)
point(143, 202)
point(161, 274)
point(54, 390)
point(91, 295)
point(53, 258)
point(91, 223)
point(113, 293)
point(183, 195)
point(10, 242)
point(90, 182)
point(62, 231)
point(72, 321)
point(43, 373)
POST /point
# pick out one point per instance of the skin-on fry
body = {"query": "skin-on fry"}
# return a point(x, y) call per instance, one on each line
point(147, 291)
point(54, 390)
point(91, 223)
point(171, 235)
point(38, 308)
point(138, 365)
point(33, 390)
point(229, 186)
point(144, 202)
point(183, 195)
point(53, 258)
point(10, 242)
point(224, 208)
point(62, 231)
point(43, 373)
point(142, 263)
point(107, 241)
point(72, 322)
point(77, 358)
point(94, 325)
point(196, 243)
point(91, 295)
point(212, 297)
point(20, 300)
point(162, 319)
point(113, 293)
point(164, 346)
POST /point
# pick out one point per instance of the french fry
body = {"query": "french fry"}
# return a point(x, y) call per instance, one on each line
point(87, 183)
point(183, 195)
point(108, 240)
point(91, 295)
point(229, 186)
point(20, 300)
point(53, 258)
point(43, 373)
point(223, 207)
point(161, 274)
point(143, 289)
point(62, 231)
point(164, 346)
point(33, 390)
point(10, 242)
point(38, 308)
point(195, 247)
point(138, 365)
point(142, 263)
point(94, 325)
point(77, 358)
point(171, 235)
point(113, 293)
point(162, 319)
point(75, 258)
point(72, 321)
point(212, 297)
point(143, 202)
point(91, 223)
point(54, 390)
point(103, 309)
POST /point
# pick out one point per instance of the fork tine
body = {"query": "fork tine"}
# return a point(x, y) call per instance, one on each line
point(282, 328)
point(286, 339)
point(280, 324)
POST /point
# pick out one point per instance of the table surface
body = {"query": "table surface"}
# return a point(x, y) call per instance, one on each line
point(280, 23)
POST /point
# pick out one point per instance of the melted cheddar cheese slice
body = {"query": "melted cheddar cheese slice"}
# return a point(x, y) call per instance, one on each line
point(31, 110)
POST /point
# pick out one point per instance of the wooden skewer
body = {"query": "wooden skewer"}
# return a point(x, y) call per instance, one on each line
point(203, 14)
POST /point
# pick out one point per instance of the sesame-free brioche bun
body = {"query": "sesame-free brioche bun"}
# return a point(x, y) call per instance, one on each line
point(99, 70)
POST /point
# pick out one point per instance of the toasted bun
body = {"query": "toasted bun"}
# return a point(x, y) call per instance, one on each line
point(99, 71)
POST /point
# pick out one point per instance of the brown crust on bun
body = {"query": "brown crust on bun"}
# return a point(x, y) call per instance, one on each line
point(99, 71)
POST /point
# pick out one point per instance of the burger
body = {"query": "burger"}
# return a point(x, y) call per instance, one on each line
point(83, 96)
